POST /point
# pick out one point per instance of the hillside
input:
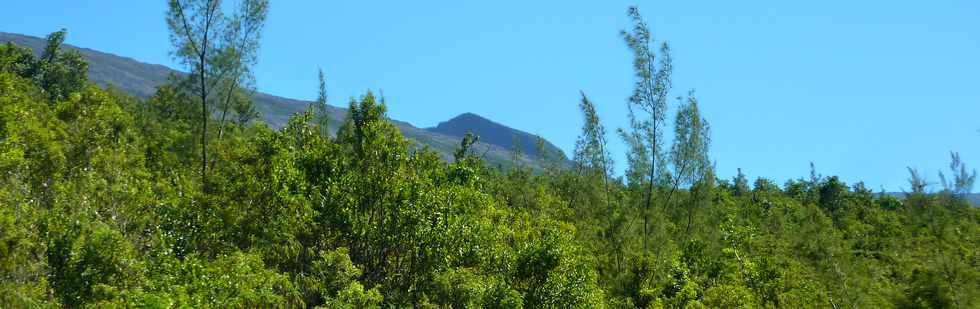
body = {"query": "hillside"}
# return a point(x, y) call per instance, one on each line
point(108, 200)
point(141, 79)
point(972, 198)
point(101, 207)
point(492, 133)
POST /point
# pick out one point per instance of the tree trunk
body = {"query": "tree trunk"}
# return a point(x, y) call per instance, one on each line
point(204, 125)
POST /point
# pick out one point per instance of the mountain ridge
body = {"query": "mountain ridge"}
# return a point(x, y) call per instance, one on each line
point(141, 79)
point(492, 132)
point(972, 198)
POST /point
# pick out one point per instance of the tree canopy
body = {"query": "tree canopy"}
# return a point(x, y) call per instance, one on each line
point(101, 206)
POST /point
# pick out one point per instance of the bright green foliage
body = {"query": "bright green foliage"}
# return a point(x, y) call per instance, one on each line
point(100, 206)
point(650, 94)
point(332, 281)
point(57, 72)
point(236, 280)
point(219, 52)
point(89, 262)
point(22, 280)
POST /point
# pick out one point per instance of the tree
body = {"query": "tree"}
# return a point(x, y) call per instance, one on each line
point(591, 156)
point(962, 182)
point(216, 49)
point(831, 194)
point(741, 183)
point(465, 146)
point(97, 210)
point(193, 26)
point(689, 153)
point(235, 61)
point(692, 137)
point(650, 94)
point(58, 72)
point(917, 183)
point(322, 112)
point(244, 107)
point(637, 157)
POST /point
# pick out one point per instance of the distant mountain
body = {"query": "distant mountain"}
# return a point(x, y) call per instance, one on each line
point(974, 198)
point(141, 79)
point(493, 133)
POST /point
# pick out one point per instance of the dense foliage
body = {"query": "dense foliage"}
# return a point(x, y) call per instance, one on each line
point(101, 204)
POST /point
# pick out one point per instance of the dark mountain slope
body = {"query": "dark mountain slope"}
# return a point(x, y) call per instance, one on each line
point(493, 133)
point(141, 79)
point(973, 198)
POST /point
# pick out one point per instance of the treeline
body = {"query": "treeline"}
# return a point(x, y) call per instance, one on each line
point(113, 201)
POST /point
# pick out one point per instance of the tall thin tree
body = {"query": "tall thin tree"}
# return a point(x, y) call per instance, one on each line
point(238, 55)
point(215, 49)
point(591, 157)
point(194, 24)
point(917, 183)
point(689, 154)
point(322, 112)
point(650, 95)
point(962, 181)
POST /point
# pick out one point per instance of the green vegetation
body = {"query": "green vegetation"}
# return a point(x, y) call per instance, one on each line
point(101, 205)
point(142, 80)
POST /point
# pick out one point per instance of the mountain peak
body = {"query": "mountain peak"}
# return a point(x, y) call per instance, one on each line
point(141, 79)
point(469, 118)
point(493, 133)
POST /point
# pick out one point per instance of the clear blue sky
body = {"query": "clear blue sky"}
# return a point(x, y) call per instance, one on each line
point(861, 88)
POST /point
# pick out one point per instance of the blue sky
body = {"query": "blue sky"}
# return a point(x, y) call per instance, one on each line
point(861, 88)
